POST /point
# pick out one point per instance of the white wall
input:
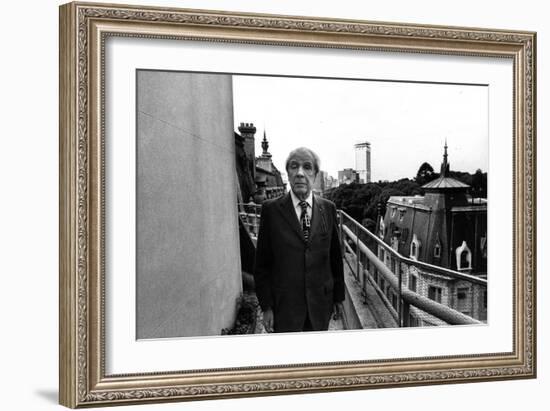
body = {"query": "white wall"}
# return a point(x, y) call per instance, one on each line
point(186, 287)
point(28, 213)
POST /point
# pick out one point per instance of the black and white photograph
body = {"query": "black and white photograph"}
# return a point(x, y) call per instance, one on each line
point(281, 204)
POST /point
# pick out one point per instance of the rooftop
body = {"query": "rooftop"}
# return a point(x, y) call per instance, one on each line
point(444, 181)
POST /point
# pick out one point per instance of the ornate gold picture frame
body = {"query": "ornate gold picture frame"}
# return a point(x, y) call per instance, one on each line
point(85, 28)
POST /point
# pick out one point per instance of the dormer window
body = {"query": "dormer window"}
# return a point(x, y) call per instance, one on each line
point(395, 243)
point(437, 250)
point(401, 214)
point(382, 229)
point(483, 246)
point(463, 257)
point(415, 247)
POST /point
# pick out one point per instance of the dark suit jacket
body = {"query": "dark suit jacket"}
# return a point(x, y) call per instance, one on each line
point(295, 278)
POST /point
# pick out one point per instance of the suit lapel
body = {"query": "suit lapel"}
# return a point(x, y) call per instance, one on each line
point(287, 210)
point(317, 217)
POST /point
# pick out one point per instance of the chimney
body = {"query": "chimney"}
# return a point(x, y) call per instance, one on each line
point(248, 131)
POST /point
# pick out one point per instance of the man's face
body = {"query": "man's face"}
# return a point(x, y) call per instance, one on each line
point(301, 174)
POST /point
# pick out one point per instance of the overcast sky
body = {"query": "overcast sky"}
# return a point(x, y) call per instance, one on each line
point(406, 123)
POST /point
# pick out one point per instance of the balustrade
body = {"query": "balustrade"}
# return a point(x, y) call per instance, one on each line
point(378, 263)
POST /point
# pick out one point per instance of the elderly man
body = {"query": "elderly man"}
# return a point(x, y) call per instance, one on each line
point(299, 272)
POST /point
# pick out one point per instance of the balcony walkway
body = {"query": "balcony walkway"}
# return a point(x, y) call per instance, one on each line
point(378, 290)
point(364, 310)
point(359, 313)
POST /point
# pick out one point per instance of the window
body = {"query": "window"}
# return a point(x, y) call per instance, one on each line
point(401, 214)
point(382, 229)
point(483, 246)
point(462, 300)
point(485, 299)
point(393, 211)
point(434, 293)
point(404, 234)
point(462, 293)
point(395, 243)
point(463, 257)
point(437, 251)
point(412, 282)
point(415, 248)
point(413, 321)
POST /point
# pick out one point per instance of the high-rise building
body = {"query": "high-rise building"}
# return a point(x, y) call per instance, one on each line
point(362, 161)
point(348, 176)
point(320, 184)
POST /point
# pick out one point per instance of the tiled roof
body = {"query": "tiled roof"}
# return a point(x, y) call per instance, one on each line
point(445, 182)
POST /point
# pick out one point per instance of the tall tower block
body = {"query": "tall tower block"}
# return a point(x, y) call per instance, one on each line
point(362, 161)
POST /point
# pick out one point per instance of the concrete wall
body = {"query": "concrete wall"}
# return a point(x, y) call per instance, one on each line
point(188, 264)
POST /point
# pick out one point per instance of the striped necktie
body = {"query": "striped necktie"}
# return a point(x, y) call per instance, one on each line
point(304, 220)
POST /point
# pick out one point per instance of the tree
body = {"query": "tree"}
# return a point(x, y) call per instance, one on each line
point(369, 224)
point(361, 201)
point(425, 174)
point(382, 199)
point(479, 184)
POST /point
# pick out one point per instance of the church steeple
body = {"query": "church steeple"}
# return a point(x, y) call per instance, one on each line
point(445, 165)
point(264, 161)
point(265, 146)
point(445, 181)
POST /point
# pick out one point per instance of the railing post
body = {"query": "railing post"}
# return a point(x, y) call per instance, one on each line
point(341, 233)
point(395, 281)
point(253, 222)
point(257, 211)
point(364, 288)
point(400, 299)
point(357, 252)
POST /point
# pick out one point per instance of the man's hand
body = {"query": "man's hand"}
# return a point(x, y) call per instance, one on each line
point(268, 320)
point(338, 311)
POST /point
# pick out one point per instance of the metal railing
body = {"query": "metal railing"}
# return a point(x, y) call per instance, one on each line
point(274, 192)
point(366, 248)
point(249, 213)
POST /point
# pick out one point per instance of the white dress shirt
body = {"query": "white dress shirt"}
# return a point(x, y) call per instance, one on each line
point(298, 207)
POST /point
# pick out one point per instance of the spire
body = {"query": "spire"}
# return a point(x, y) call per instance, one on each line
point(265, 146)
point(444, 181)
point(445, 164)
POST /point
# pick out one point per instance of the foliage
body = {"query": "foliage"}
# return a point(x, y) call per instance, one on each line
point(245, 323)
point(361, 200)
point(425, 174)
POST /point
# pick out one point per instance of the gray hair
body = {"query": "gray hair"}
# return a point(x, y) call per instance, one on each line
point(300, 150)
